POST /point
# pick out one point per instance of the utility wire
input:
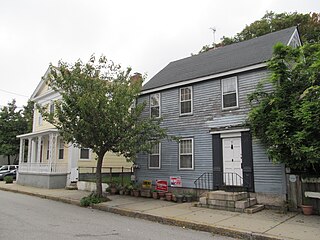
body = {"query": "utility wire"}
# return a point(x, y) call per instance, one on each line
point(21, 95)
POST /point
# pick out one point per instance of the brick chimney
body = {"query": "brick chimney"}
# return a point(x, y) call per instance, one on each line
point(135, 78)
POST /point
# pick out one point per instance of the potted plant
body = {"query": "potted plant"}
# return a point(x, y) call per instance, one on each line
point(121, 190)
point(154, 194)
point(161, 194)
point(307, 207)
point(136, 191)
point(168, 196)
point(113, 187)
point(179, 197)
point(188, 197)
point(8, 179)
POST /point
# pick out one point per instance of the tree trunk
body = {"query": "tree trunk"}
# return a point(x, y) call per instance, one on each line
point(8, 159)
point(98, 175)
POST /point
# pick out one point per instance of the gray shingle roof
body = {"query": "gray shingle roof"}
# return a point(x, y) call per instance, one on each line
point(231, 57)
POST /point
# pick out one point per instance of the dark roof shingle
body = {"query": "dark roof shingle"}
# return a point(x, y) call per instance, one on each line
point(231, 57)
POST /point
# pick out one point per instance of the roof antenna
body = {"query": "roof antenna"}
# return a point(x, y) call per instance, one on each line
point(214, 36)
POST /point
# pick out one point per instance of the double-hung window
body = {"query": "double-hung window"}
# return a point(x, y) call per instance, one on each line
point(155, 105)
point(61, 148)
point(185, 100)
point(229, 87)
point(155, 156)
point(84, 153)
point(186, 154)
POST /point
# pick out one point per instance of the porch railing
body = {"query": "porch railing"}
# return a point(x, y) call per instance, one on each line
point(43, 167)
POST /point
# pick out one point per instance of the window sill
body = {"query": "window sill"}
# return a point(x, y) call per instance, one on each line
point(185, 114)
point(230, 109)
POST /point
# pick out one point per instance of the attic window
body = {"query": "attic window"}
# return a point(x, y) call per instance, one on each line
point(229, 87)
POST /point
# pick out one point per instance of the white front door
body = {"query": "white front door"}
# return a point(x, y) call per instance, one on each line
point(232, 161)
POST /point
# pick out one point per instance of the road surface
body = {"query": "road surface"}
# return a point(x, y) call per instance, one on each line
point(26, 217)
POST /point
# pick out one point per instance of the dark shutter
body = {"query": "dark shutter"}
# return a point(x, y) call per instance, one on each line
point(217, 161)
point(247, 160)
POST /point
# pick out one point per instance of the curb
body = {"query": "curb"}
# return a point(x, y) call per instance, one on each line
point(163, 220)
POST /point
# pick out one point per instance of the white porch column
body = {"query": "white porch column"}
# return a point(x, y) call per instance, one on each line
point(39, 149)
point(21, 150)
point(50, 151)
point(29, 150)
point(33, 150)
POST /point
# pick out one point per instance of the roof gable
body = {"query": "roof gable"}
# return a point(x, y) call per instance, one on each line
point(231, 57)
point(42, 87)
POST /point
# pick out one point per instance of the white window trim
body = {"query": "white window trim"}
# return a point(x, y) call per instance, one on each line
point(159, 159)
point(184, 139)
point(85, 159)
point(237, 93)
point(155, 106)
point(191, 100)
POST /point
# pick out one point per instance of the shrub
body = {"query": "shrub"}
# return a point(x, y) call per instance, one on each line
point(8, 179)
point(91, 199)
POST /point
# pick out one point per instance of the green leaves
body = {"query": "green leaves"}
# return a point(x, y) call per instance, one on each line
point(287, 120)
point(14, 122)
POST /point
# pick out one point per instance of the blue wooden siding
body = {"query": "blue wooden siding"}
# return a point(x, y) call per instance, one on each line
point(207, 112)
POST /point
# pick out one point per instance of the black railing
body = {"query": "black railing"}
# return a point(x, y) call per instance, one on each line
point(204, 183)
point(229, 181)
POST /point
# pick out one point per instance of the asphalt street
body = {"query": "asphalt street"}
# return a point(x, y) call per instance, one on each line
point(26, 217)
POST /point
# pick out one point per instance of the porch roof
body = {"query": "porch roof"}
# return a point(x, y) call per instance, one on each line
point(39, 133)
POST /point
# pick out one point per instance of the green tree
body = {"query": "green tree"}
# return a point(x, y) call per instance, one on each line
point(309, 28)
point(287, 120)
point(96, 111)
point(12, 123)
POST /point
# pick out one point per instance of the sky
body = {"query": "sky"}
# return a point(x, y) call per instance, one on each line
point(143, 34)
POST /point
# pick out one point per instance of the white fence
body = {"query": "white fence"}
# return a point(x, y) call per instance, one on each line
point(43, 167)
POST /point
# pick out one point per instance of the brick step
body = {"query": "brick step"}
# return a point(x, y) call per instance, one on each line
point(254, 208)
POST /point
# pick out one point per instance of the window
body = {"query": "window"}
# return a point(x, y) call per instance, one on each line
point(155, 105)
point(154, 156)
point(229, 88)
point(84, 153)
point(186, 153)
point(39, 119)
point(51, 108)
point(61, 149)
point(186, 100)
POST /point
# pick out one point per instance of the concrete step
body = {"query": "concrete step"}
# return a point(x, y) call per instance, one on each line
point(254, 208)
point(242, 204)
point(227, 196)
point(72, 186)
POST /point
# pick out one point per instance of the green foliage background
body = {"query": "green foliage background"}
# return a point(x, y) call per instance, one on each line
point(287, 120)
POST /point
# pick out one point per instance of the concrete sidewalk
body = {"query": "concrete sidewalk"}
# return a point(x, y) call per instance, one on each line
point(267, 224)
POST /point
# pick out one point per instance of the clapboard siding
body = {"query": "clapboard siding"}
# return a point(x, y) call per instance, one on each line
point(268, 176)
point(207, 113)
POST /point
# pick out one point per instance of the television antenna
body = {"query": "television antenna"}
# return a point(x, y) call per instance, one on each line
point(214, 36)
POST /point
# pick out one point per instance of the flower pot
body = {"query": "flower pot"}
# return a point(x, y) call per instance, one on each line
point(121, 192)
point(179, 198)
point(161, 194)
point(307, 209)
point(168, 196)
point(174, 198)
point(136, 193)
point(155, 195)
point(188, 198)
point(113, 190)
